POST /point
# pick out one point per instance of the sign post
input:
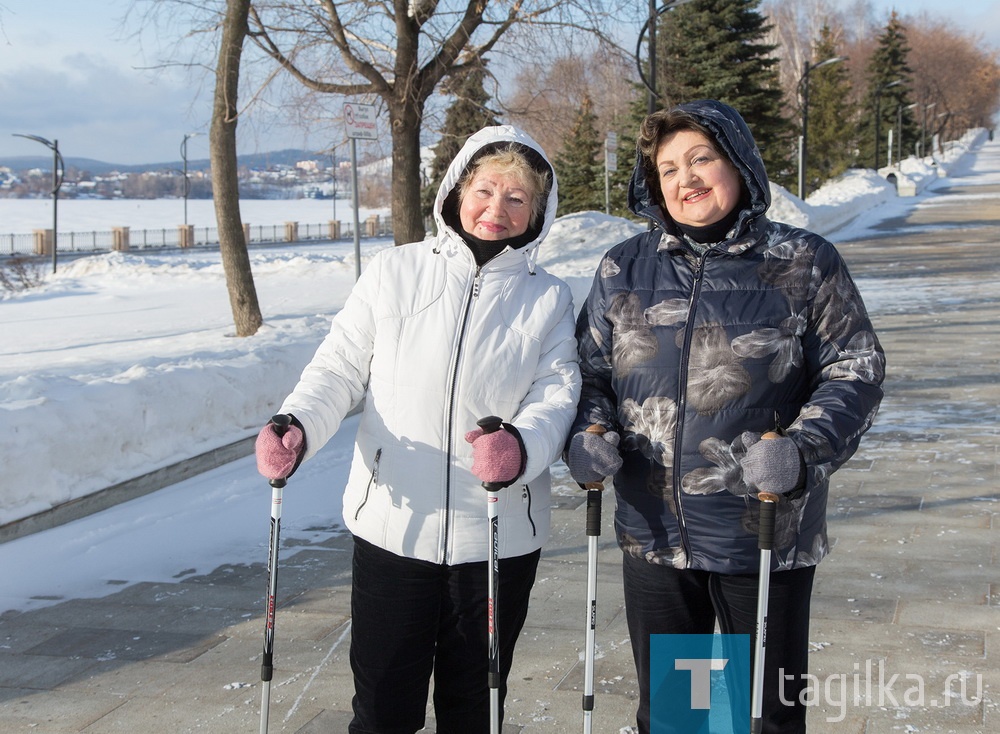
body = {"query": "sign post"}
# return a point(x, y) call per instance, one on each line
point(359, 120)
point(610, 164)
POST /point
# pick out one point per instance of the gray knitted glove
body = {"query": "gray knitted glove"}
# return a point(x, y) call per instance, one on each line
point(773, 465)
point(593, 456)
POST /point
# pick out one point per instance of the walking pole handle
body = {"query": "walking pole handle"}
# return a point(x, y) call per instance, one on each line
point(765, 531)
point(594, 490)
point(600, 431)
point(490, 424)
point(768, 503)
point(281, 423)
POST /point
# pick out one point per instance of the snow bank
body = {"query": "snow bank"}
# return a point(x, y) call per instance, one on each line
point(834, 204)
point(840, 201)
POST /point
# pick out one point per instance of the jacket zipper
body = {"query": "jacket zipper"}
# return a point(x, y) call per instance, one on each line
point(526, 497)
point(682, 405)
point(371, 483)
point(473, 294)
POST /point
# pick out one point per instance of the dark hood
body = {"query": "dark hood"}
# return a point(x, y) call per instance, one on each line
point(735, 140)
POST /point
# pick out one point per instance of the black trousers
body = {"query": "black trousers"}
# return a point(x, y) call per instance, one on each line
point(412, 619)
point(664, 600)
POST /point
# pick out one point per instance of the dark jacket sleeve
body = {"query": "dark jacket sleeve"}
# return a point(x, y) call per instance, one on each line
point(846, 364)
point(594, 338)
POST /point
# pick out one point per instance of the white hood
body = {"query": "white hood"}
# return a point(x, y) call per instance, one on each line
point(492, 136)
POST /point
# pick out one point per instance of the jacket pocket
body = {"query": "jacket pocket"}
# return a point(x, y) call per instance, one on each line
point(372, 481)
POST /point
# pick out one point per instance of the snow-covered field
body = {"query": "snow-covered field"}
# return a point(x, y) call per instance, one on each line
point(22, 216)
point(120, 363)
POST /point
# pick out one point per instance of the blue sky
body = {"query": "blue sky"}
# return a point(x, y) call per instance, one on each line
point(70, 71)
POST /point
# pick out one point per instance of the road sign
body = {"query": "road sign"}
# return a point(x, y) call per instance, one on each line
point(360, 121)
point(610, 151)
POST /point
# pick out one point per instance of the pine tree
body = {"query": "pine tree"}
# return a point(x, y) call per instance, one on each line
point(468, 114)
point(716, 49)
point(831, 142)
point(580, 164)
point(889, 92)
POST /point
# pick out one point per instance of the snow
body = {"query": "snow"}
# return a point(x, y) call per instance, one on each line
point(119, 364)
point(22, 216)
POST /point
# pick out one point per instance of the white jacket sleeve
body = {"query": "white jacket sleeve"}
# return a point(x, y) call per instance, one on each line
point(337, 377)
point(548, 410)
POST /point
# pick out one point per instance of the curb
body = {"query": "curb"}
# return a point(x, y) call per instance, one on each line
point(128, 490)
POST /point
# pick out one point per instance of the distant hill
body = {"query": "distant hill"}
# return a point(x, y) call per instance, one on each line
point(287, 157)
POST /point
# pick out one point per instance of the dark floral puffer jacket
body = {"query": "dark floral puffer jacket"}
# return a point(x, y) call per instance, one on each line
point(682, 353)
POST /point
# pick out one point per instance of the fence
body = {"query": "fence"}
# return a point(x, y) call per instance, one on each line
point(39, 242)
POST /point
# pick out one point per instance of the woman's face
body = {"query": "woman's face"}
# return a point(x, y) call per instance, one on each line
point(496, 206)
point(699, 185)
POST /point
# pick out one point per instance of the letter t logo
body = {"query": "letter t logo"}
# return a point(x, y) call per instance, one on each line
point(701, 678)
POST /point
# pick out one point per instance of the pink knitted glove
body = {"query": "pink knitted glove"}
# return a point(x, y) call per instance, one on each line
point(497, 458)
point(278, 456)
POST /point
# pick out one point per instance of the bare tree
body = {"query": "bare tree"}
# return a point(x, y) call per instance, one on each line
point(545, 100)
point(796, 26)
point(956, 78)
point(396, 52)
point(225, 182)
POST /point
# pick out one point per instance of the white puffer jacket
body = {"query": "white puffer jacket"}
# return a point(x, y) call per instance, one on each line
point(432, 343)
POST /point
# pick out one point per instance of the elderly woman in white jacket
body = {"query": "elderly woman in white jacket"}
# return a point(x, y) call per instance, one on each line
point(436, 335)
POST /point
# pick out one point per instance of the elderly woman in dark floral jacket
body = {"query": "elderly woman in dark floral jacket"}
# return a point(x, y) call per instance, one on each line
point(714, 327)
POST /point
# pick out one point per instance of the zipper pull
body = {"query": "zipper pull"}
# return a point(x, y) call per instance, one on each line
point(476, 282)
point(378, 457)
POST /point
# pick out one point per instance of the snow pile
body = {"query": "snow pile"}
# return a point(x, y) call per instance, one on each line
point(834, 204)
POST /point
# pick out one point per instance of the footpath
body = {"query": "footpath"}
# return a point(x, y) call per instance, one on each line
point(906, 614)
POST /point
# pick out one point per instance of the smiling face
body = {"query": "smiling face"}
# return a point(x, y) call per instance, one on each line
point(698, 184)
point(495, 205)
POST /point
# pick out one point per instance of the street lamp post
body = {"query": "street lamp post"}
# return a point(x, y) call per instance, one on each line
point(803, 140)
point(899, 130)
point(923, 129)
point(333, 168)
point(187, 185)
point(878, 115)
point(941, 129)
point(650, 25)
point(58, 172)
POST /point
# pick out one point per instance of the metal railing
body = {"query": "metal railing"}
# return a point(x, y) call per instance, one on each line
point(125, 238)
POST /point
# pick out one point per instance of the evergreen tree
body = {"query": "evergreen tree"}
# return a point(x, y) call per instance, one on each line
point(716, 49)
point(580, 164)
point(831, 142)
point(889, 91)
point(468, 114)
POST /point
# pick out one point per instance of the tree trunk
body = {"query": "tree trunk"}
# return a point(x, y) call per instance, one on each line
point(407, 218)
point(225, 182)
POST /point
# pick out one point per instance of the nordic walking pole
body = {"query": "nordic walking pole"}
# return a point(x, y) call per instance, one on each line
point(765, 542)
point(594, 490)
point(491, 424)
point(281, 423)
